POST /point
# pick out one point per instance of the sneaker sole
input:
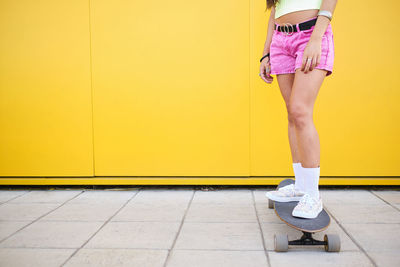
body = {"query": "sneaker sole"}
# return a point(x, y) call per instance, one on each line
point(282, 199)
point(305, 215)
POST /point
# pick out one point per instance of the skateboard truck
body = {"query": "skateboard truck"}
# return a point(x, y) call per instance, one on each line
point(306, 240)
point(331, 242)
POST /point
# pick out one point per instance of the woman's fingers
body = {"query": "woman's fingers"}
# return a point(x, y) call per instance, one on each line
point(268, 72)
point(313, 64)
point(262, 72)
point(265, 73)
point(308, 63)
point(267, 78)
point(268, 75)
point(303, 64)
point(264, 77)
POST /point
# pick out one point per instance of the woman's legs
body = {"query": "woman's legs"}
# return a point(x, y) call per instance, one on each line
point(301, 104)
point(300, 94)
point(300, 90)
point(285, 82)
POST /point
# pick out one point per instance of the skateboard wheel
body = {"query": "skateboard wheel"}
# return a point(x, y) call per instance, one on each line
point(332, 243)
point(270, 204)
point(281, 243)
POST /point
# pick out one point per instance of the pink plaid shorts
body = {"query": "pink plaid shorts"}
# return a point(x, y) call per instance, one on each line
point(286, 51)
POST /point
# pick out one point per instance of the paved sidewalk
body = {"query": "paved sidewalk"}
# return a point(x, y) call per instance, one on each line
point(181, 226)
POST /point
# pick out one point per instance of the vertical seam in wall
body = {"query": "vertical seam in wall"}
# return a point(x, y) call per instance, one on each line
point(250, 24)
point(91, 86)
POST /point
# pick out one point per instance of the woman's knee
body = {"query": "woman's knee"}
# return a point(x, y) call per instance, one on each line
point(299, 115)
point(290, 117)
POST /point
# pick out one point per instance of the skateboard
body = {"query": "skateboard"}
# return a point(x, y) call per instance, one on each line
point(284, 210)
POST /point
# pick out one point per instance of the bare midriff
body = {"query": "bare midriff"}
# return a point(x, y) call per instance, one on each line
point(297, 16)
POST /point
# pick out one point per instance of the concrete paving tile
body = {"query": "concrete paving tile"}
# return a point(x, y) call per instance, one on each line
point(204, 212)
point(118, 258)
point(376, 237)
point(317, 258)
point(270, 230)
point(6, 195)
point(392, 197)
point(228, 197)
point(152, 211)
point(216, 258)
point(241, 236)
point(83, 212)
point(349, 197)
point(24, 257)
point(46, 196)
point(24, 211)
point(382, 213)
point(266, 214)
point(152, 235)
point(386, 258)
point(259, 195)
point(48, 234)
point(163, 196)
point(7, 228)
point(103, 196)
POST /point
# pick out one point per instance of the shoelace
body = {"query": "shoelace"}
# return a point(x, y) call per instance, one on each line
point(304, 200)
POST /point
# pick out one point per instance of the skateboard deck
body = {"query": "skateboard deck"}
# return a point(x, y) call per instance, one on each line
point(284, 210)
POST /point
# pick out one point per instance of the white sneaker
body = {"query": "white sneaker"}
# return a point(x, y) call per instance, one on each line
point(308, 207)
point(285, 194)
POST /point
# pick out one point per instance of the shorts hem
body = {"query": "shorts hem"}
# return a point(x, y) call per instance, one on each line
point(327, 68)
point(282, 72)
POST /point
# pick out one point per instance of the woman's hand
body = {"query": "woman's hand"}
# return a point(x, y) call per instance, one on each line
point(311, 54)
point(265, 70)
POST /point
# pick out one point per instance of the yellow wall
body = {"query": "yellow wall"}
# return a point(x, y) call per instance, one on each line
point(171, 88)
point(45, 94)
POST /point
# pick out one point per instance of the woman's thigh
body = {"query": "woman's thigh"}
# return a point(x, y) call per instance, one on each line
point(305, 89)
point(285, 82)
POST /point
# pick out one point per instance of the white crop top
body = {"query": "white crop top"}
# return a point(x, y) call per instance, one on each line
point(286, 6)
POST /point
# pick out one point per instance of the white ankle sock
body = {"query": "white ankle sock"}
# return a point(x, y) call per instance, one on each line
point(298, 181)
point(311, 181)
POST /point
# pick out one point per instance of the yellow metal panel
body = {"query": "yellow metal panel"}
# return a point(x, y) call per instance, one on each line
point(45, 94)
point(190, 181)
point(357, 111)
point(171, 87)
